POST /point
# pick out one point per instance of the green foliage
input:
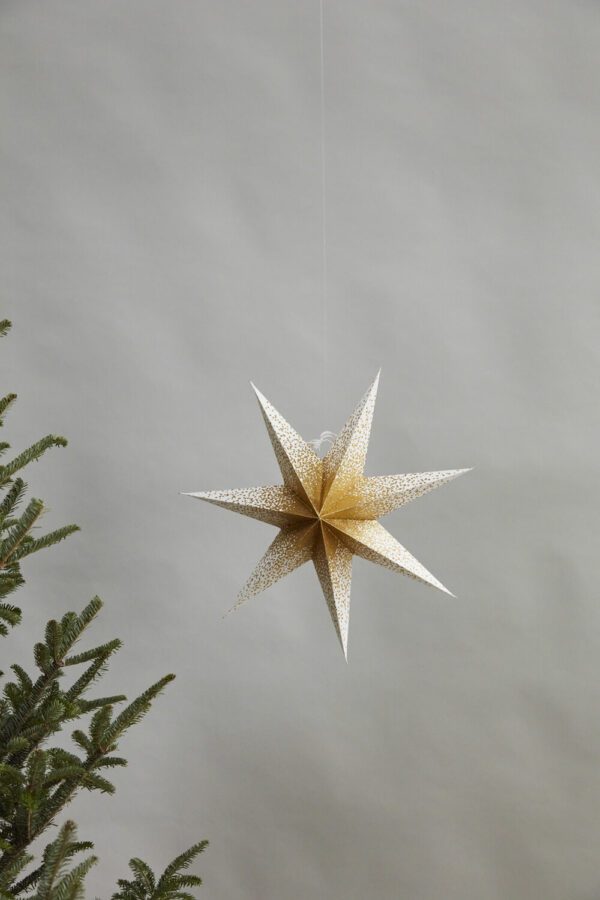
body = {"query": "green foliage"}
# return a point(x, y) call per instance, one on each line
point(51, 879)
point(173, 884)
point(38, 780)
point(16, 538)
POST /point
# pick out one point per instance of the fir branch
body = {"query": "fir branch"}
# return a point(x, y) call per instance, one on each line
point(69, 850)
point(24, 679)
point(111, 762)
point(70, 887)
point(54, 640)
point(12, 498)
point(17, 864)
point(30, 455)
point(52, 881)
point(171, 885)
point(102, 739)
point(12, 723)
point(96, 670)
point(185, 859)
point(9, 615)
point(73, 628)
point(47, 540)
point(20, 530)
point(86, 706)
point(135, 711)
point(144, 876)
point(5, 404)
point(82, 740)
point(104, 651)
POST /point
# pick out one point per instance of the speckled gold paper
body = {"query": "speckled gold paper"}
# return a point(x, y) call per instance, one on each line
point(327, 510)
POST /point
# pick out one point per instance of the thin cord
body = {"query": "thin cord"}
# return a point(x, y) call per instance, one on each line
point(326, 438)
point(323, 207)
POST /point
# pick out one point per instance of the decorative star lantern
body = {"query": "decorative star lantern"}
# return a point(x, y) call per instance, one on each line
point(327, 510)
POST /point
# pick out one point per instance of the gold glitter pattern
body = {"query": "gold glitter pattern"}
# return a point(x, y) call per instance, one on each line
point(327, 510)
point(333, 564)
point(301, 468)
point(374, 542)
point(344, 464)
point(277, 505)
point(291, 548)
point(382, 494)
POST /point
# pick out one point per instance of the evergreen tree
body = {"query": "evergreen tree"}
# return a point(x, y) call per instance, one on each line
point(38, 780)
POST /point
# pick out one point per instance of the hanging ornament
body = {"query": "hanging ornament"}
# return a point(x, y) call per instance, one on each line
point(327, 510)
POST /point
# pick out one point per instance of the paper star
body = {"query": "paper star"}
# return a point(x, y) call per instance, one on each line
point(327, 510)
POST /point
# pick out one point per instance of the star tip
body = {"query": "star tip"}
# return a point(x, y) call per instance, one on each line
point(261, 397)
point(373, 387)
point(235, 607)
point(344, 646)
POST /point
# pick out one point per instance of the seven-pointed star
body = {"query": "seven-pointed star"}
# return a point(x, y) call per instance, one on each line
point(327, 510)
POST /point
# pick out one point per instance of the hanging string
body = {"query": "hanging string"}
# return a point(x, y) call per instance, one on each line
point(323, 207)
point(326, 438)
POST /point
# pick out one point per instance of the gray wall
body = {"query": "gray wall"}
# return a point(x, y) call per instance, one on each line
point(161, 246)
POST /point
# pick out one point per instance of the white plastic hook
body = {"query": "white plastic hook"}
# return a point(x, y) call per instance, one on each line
point(326, 437)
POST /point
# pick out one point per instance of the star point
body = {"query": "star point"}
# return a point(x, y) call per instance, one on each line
point(327, 510)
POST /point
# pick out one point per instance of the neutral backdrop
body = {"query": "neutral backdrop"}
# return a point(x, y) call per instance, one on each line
point(161, 245)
